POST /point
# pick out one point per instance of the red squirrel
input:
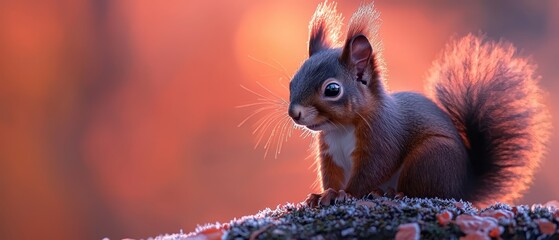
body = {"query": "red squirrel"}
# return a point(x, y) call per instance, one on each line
point(478, 137)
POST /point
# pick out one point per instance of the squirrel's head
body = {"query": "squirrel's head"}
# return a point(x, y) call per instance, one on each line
point(336, 85)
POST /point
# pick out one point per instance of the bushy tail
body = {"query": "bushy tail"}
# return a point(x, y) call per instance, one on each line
point(493, 99)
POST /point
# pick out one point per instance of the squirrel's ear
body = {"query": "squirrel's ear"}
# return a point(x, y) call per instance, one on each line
point(357, 54)
point(324, 28)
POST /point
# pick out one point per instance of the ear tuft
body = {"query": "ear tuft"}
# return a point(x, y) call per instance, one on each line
point(324, 28)
point(362, 38)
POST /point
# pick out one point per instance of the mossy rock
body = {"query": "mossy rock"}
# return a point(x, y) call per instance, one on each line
point(383, 218)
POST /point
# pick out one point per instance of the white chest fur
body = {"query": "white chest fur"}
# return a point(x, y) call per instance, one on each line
point(341, 144)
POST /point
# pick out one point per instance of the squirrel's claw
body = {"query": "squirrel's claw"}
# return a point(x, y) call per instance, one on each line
point(342, 196)
point(399, 195)
point(390, 193)
point(312, 200)
point(326, 198)
point(331, 196)
point(377, 192)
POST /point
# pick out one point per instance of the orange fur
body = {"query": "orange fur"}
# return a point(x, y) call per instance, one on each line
point(331, 175)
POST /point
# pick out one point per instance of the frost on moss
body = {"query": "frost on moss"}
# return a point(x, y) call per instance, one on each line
point(381, 218)
point(377, 218)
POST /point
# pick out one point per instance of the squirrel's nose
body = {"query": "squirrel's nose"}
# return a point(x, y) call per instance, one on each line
point(296, 118)
point(295, 112)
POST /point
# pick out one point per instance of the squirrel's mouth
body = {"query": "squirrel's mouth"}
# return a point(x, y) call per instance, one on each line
point(316, 127)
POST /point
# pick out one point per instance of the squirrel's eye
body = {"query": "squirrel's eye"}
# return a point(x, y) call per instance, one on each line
point(332, 90)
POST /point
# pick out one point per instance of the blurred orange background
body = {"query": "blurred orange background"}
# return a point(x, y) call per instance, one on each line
point(118, 118)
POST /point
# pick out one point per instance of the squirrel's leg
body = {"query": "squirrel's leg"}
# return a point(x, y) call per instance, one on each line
point(436, 168)
point(372, 166)
point(332, 178)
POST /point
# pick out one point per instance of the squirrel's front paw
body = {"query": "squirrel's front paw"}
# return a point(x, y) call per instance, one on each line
point(327, 198)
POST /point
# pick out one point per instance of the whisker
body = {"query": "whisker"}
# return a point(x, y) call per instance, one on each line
point(253, 92)
point(304, 134)
point(280, 133)
point(285, 122)
point(366, 121)
point(278, 100)
point(261, 133)
point(283, 85)
point(265, 128)
point(279, 139)
point(280, 80)
point(255, 104)
point(343, 126)
point(338, 126)
point(284, 72)
point(290, 129)
point(263, 99)
point(264, 124)
point(266, 146)
point(266, 118)
point(254, 114)
point(272, 126)
point(273, 134)
point(275, 95)
point(270, 75)
point(282, 68)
